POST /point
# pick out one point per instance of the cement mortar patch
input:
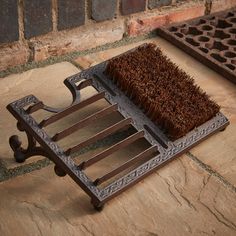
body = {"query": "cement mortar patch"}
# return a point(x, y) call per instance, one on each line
point(81, 39)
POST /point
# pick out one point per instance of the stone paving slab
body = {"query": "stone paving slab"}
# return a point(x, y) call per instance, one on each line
point(178, 199)
point(219, 151)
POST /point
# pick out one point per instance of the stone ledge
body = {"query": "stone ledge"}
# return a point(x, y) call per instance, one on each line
point(57, 44)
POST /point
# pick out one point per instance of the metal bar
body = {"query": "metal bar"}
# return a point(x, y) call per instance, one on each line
point(35, 107)
point(126, 165)
point(100, 135)
point(156, 136)
point(84, 122)
point(84, 84)
point(112, 149)
point(71, 109)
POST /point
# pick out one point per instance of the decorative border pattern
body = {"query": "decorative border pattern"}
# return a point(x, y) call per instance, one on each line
point(202, 132)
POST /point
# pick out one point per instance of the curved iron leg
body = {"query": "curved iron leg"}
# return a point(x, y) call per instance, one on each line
point(21, 154)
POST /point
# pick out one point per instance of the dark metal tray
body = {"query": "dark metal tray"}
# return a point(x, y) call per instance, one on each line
point(210, 39)
point(40, 143)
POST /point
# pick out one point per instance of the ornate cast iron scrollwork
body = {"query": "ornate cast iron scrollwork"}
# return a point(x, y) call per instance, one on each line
point(20, 153)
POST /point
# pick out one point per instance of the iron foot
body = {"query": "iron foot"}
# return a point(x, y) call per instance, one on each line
point(223, 129)
point(97, 206)
point(15, 144)
point(59, 172)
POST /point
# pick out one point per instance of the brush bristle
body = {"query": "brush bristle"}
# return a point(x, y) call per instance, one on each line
point(166, 93)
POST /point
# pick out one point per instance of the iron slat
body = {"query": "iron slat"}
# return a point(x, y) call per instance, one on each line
point(71, 109)
point(112, 149)
point(126, 165)
point(84, 122)
point(100, 135)
point(84, 84)
point(37, 106)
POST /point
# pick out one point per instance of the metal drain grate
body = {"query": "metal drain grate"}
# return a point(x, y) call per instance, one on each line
point(160, 151)
point(210, 39)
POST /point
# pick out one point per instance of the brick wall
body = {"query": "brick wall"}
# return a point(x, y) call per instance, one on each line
point(34, 30)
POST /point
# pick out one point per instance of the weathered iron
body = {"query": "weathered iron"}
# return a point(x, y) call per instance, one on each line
point(161, 149)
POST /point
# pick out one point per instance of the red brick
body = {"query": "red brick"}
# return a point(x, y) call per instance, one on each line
point(71, 13)
point(132, 6)
point(37, 17)
point(221, 5)
point(9, 28)
point(103, 9)
point(186, 14)
point(158, 3)
point(146, 23)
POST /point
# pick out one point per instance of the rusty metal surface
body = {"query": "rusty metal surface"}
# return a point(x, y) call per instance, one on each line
point(161, 149)
point(210, 39)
